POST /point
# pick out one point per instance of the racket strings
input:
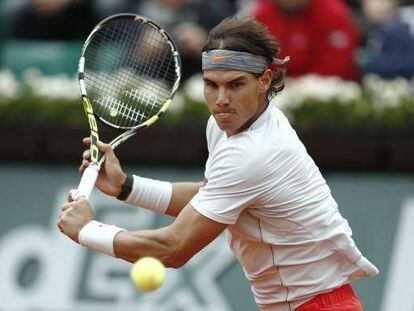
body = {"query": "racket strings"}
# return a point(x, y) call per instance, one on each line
point(130, 72)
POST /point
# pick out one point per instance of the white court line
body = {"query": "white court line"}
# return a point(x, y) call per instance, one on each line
point(399, 286)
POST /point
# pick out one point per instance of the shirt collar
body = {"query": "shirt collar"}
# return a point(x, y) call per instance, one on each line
point(262, 119)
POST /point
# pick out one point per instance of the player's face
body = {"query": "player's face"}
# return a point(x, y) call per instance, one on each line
point(235, 98)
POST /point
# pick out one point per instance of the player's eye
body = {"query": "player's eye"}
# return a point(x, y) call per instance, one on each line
point(236, 84)
point(210, 84)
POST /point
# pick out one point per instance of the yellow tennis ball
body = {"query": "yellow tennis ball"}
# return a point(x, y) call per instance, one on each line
point(147, 274)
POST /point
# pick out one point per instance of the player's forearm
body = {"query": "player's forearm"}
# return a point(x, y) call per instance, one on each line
point(174, 245)
point(133, 245)
point(182, 193)
point(161, 196)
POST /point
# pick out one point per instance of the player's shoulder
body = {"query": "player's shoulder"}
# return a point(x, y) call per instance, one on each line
point(235, 162)
point(246, 152)
point(260, 135)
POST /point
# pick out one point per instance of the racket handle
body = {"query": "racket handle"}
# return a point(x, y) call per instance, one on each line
point(87, 182)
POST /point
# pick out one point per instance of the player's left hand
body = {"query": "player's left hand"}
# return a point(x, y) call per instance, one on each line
point(74, 216)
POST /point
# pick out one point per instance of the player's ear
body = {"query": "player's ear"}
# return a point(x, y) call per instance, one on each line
point(265, 80)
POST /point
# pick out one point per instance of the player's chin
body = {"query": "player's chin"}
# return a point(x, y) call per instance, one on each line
point(224, 126)
point(224, 122)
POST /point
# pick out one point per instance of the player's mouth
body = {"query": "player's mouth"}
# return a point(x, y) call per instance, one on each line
point(224, 117)
point(224, 114)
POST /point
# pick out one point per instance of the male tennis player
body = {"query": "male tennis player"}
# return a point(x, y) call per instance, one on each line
point(260, 185)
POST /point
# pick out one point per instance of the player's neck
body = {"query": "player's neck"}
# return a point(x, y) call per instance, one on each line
point(262, 108)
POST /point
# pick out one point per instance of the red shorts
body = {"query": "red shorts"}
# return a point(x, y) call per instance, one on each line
point(340, 299)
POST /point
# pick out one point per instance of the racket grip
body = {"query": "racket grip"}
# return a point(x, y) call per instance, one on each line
point(87, 182)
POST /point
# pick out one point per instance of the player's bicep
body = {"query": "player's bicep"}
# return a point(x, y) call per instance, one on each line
point(193, 231)
point(182, 193)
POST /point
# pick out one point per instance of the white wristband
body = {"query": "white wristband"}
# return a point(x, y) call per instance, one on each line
point(99, 237)
point(151, 194)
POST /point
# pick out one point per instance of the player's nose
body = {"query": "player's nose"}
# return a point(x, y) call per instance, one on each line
point(222, 98)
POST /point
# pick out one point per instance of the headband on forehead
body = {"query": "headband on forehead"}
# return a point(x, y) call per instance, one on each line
point(235, 60)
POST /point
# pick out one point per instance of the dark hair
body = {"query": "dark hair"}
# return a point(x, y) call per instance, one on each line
point(244, 34)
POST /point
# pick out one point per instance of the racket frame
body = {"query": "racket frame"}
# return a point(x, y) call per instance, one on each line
point(90, 174)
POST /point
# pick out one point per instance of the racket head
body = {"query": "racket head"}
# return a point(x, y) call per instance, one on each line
point(129, 71)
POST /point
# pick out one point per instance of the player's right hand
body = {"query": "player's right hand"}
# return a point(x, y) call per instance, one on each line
point(111, 176)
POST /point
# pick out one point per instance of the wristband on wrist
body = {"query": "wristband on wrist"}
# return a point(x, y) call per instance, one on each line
point(150, 194)
point(99, 237)
point(126, 188)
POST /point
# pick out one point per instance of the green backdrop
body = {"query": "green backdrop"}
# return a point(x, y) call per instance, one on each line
point(42, 270)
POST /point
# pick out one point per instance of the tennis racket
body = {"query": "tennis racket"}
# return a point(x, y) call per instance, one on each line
point(129, 71)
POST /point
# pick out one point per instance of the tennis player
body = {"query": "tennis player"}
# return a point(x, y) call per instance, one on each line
point(261, 186)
